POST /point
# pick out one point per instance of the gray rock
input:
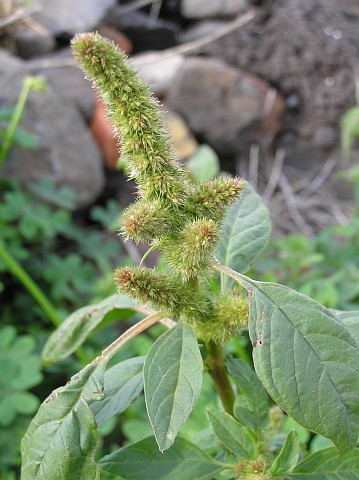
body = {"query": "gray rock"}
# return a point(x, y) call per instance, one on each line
point(200, 30)
point(144, 32)
point(66, 151)
point(212, 8)
point(158, 69)
point(222, 105)
point(31, 43)
point(69, 16)
point(9, 63)
point(67, 80)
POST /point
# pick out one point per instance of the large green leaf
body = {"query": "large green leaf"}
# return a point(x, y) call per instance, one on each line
point(251, 404)
point(122, 384)
point(306, 359)
point(61, 440)
point(78, 326)
point(143, 461)
point(246, 232)
point(328, 464)
point(288, 456)
point(350, 320)
point(235, 437)
point(173, 373)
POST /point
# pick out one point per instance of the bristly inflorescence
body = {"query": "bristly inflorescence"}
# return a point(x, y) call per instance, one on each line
point(179, 217)
point(135, 116)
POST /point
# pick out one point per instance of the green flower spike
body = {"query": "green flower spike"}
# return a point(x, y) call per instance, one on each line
point(135, 116)
point(210, 199)
point(189, 251)
point(164, 292)
point(230, 317)
point(143, 221)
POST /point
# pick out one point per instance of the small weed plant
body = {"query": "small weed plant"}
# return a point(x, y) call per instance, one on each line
point(305, 356)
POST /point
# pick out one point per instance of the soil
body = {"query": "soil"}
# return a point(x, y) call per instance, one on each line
point(309, 51)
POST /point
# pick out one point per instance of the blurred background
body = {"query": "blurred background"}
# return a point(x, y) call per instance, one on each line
point(267, 90)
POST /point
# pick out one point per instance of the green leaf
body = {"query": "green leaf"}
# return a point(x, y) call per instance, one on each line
point(246, 231)
point(303, 433)
point(143, 461)
point(62, 197)
point(61, 440)
point(123, 383)
point(235, 437)
point(350, 320)
point(78, 326)
point(319, 443)
point(204, 164)
point(24, 402)
point(20, 369)
point(173, 373)
point(288, 456)
point(251, 406)
point(328, 464)
point(25, 139)
point(10, 439)
point(306, 359)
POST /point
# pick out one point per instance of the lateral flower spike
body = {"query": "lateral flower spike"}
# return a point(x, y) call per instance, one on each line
point(136, 118)
point(163, 292)
point(143, 221)
point(210, 199)
point(190, 250)
point(230, 317)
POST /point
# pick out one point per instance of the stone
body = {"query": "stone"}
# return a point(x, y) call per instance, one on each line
point(66, 79)
point(306, 49)
point(183, 141)
point(158, 69)
point(9, 64)
point(69, 16)
point(145, 33)
point(212, 8)
point(66, 151)
point(31, 43)
point(201, 29)
point(224, 106)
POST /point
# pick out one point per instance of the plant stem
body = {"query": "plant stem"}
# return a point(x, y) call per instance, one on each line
point(15, 119)
point(132, 332)
point(226, 271)
point(216, 369)
point(16, 269)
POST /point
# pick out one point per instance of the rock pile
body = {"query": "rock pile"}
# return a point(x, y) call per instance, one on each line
point(282, 80)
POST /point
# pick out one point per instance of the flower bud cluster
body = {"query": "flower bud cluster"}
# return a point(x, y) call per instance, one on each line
point(230, 316)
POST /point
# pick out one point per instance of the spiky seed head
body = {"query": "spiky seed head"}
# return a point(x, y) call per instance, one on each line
point(210, 199)
point(145, 221)
point(230, 316)
point(190, 250)
point(164, 292)
point(135, 116)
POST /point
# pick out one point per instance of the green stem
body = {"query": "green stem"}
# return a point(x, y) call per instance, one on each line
point(217, 370)
point(16, 269)
point(132, 332)
point(15, 119)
